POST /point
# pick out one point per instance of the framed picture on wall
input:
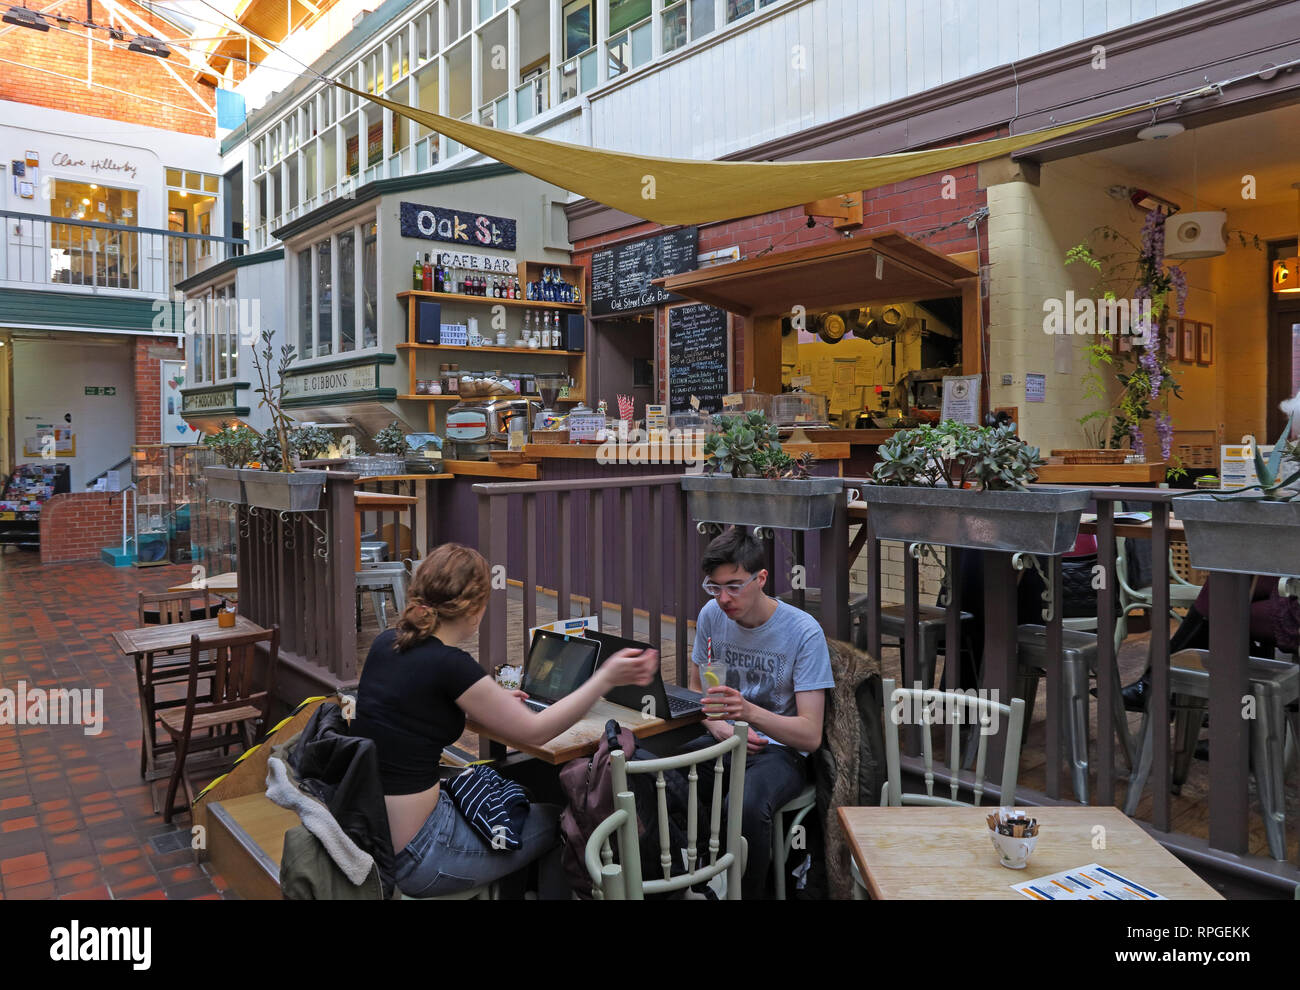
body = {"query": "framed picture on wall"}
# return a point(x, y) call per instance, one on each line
point(1205, 345)
point(1187, 336)
point(1171, 339)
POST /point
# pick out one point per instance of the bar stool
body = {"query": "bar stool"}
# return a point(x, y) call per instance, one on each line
point(812, 604)
point(1078, 660)
point(382, 579)
point(932, 627)
point(1275, 684)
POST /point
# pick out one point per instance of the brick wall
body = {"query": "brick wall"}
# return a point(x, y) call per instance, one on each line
point(149, 356)
point(75, 526)
point(52, 68)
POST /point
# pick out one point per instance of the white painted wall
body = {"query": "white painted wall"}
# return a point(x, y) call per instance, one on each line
point(50, 379)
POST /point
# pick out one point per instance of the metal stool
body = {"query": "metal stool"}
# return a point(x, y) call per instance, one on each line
point(812, 604)
point(1078, 660)
point(1275, 684)
point(380, 579)
point(782, 837)
point(373, 551)
point(932, 626)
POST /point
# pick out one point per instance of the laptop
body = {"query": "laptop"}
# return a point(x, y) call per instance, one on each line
point(676, 701)
point(557, 664)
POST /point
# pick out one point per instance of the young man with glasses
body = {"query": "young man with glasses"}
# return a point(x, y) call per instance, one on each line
point(778, 670)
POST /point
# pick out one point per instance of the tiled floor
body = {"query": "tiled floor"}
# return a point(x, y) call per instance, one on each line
point(75, 818)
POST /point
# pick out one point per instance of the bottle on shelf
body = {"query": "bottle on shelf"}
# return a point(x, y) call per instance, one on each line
point(417, 274)
point(438, 280)
point(514, 290)
point(428, 275)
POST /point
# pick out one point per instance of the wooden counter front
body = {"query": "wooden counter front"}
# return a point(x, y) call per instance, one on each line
point(676, 452)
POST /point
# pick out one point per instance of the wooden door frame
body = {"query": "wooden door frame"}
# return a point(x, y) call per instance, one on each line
point(1279, 345)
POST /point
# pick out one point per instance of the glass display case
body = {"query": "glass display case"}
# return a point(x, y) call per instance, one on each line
point(150, 473)
point(211, 522)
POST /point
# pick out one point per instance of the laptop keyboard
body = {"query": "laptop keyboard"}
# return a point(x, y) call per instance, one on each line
point(536, 706)
point(681, 706)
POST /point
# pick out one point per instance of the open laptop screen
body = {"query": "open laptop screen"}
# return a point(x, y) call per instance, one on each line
point(558, 664)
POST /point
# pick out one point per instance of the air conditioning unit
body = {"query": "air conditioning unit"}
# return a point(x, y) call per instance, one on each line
point(1196, 235)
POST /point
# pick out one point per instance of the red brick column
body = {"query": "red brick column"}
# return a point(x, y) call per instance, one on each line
point(76, 525)
point(149, 356)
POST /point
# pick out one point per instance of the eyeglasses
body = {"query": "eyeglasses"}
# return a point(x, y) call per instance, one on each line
point(732, 589)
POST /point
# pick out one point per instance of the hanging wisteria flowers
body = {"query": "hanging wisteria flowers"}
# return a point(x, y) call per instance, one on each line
point(1139, 274)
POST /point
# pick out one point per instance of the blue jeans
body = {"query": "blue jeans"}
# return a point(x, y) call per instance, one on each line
point(447, 856)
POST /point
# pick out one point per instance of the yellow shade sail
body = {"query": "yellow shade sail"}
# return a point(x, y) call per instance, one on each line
point(674, 191)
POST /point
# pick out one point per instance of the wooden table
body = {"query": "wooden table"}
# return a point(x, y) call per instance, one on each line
point(372, 501)
point(918, 853)
point(226, 585)
point(1146, 473)
point(142, 643)
point(1134, 531)
point(583, 737)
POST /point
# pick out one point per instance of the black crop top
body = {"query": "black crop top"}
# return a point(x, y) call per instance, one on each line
point(406, 703)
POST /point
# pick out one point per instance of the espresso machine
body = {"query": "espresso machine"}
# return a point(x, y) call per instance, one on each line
point(475, 429)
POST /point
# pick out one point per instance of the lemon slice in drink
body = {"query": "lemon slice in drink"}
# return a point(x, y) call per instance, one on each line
point(711, 679)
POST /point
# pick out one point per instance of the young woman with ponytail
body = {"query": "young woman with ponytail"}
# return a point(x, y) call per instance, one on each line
point(417, 687)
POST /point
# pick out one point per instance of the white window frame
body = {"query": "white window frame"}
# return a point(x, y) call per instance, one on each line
point(356, 225)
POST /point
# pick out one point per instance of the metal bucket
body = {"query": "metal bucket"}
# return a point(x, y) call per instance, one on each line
point(785, 504)
point(224, 484)
point(1240, 536)
point(296, 492)
point(1043, 520)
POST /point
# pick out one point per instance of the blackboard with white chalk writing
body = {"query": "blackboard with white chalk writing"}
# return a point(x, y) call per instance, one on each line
point(698, 357)
point(621, 278)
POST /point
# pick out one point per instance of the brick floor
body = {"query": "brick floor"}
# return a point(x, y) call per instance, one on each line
point(76, 820)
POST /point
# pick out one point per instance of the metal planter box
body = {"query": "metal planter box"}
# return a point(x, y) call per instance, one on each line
point(1239, 536)
point(1044, 520)
point(785, 504)
point(298, 491)
point(225, 484)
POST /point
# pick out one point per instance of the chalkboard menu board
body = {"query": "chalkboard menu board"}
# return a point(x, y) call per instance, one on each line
point(621, 277)
point(697, 357)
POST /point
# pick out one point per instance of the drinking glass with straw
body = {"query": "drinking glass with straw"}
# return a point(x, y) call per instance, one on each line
point(714, 673)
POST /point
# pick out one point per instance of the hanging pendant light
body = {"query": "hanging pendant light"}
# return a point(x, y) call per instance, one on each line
point(1286, 271)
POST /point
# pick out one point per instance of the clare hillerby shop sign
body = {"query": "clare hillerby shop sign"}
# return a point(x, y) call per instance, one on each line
point(467, 227)
point(331, 381)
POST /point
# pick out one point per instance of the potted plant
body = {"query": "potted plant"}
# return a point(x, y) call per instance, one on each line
point(390, 442)
point(312, 442)
point(1252, 530)
point(750, 481)
point(235, 446)
point(276, 485)
point(967, 486)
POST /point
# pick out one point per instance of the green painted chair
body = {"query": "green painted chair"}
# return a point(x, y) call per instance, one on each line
point(617, 881)
point(973, 711)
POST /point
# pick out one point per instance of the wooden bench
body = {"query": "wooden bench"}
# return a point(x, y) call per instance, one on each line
point(246, 841)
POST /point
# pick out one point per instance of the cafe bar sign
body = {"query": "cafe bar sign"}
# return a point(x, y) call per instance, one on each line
point(467, 227)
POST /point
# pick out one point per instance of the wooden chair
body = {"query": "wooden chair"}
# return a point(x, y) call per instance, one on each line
point(623, 881)
point(974, 710)
point(234, 709)
point(162, 668)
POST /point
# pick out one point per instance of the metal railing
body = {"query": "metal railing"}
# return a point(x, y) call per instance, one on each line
point(533, 97)
point(42, 250)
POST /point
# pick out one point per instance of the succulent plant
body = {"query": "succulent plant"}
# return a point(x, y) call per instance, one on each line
point(270, 375)
point(391, 439)
point(955, 455)
point(749, 447)
point(270, 451)
point(235, 445)
point(311, 442)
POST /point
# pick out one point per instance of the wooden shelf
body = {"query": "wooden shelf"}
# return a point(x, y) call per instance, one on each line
point(490, 301)
point(490, 350)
